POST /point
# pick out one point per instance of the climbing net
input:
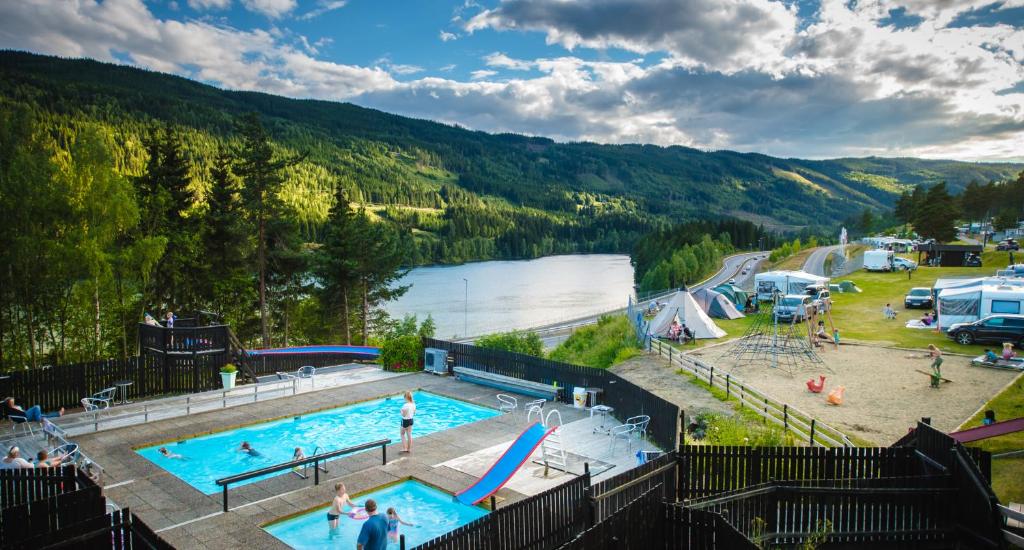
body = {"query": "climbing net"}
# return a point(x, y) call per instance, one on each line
point(788, 346)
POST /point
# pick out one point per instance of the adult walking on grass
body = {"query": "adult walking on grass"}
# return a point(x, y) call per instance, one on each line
point(408, 410)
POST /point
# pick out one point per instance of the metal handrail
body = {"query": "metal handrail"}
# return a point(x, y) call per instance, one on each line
point(225, 482)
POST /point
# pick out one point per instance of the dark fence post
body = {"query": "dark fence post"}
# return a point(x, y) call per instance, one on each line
point(785, 417)
point(225, 498)
point(401, 542)
point(812, 432)
point(727, 384)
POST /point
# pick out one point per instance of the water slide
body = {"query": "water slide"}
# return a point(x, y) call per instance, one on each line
point(507, 465)
point(992, 430)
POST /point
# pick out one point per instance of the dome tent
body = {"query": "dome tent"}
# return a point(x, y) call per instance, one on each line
point(716, 304)
point(683, 307)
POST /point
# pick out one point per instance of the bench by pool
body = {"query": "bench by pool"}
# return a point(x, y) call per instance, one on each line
point(210, 457)
point(434, 513)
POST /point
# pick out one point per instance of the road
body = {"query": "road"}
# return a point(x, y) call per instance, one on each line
point(815, 263)
point(732, 268)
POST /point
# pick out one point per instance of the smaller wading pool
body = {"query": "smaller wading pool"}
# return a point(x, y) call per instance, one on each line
point(207, 458)
point(434, 513)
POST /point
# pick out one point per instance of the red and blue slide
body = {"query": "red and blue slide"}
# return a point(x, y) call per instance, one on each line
point(507, 465)
point(359, 352)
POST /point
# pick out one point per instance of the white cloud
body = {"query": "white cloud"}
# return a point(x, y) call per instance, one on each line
point(447, 68)
point(271, 8)
point(323, 6)
point(843, 85)
point(447, 36)
point(499, 59)
point(201, 5)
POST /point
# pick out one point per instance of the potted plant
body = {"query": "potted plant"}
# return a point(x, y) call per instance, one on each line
point(227, 375)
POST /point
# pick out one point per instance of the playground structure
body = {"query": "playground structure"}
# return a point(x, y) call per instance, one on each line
point(784, 346)
point(991, 430)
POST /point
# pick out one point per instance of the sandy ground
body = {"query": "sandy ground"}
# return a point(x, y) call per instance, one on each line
point(884, 393)
point(654, 374)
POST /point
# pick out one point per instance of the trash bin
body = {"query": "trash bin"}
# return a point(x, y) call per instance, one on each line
point(579, 398)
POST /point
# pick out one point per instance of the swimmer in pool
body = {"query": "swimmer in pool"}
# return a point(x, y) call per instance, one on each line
point(247, 449)
point(169, 454)
point(341, 499)
point(393, 520)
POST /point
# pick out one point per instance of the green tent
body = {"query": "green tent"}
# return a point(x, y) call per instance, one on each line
point(848, 286)
point(734, 293)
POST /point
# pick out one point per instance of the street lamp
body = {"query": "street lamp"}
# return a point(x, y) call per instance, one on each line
point(465, 311)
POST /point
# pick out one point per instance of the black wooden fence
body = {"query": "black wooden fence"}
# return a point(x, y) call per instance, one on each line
point(708, 470)
point(627, 398)
point(605, 497)
point(546, 520)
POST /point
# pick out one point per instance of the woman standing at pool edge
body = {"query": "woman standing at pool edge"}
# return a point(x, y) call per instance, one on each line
point(408, 410)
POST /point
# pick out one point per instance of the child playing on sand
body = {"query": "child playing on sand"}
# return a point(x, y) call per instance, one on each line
point(393, 521)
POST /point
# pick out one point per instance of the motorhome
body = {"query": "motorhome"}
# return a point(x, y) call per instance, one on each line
point(769, 283)
point(969, 303)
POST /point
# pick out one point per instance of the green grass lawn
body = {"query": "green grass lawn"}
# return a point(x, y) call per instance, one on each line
point(1007, 473)
point(859, 315)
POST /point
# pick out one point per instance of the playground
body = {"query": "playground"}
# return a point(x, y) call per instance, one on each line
point(887, 390)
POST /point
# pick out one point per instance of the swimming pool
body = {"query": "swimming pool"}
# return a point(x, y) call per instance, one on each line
point(210, 457)
point(433, 512)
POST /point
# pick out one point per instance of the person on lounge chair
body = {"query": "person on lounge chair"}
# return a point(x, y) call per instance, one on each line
point(686, 334)
point(33, 414)
point(43, 459)
point(990, 356)
point(13, 460)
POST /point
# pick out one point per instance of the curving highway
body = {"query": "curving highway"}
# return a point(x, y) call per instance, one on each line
point(815, 263)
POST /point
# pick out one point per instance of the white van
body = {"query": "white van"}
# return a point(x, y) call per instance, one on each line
point(769, 283)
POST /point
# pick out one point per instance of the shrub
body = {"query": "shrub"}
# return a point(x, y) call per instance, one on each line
point(402, 354)
point(514, 341)
point(612, 340)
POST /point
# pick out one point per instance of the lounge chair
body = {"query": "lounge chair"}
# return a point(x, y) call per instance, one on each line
point(507, 403)
point(536, 403)
point(22, 422)
point(68, 450)
point(307, 372)
point(285, 376)
point(94, 404)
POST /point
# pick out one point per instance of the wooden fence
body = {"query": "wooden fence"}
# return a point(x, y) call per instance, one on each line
point(547, 520)
point(910, 510)
point(708, 470)
point(802, 425)
point(637, 524)
point(280, 362)
point(605, 497)
point(627, 398)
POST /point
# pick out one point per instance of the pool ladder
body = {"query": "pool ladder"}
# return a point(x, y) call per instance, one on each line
point(551, 448)
point(305, 468)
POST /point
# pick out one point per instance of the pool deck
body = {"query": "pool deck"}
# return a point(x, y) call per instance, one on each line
point(189, 519)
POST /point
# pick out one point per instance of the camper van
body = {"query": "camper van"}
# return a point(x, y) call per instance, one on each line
point(878, 260)
point(769, 283)
point(967, 304)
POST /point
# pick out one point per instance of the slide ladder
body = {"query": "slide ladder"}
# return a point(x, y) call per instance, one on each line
point(551, 448)
point(507, 464)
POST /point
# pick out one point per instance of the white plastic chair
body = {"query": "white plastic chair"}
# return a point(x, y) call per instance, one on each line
point(285, 376)
point(623, 432)
point(94, 404)
point(307, 372)
point(507, 403)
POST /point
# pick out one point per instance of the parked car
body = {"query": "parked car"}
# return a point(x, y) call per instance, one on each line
point(793, 306)
point(818, 293)
point(731, 281)
point(903, 263)
point(972, 260)
point(919, 297)
point(1008, 244)
point(994, 329)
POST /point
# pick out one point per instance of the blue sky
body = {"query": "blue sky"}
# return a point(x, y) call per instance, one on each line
point(811, 79)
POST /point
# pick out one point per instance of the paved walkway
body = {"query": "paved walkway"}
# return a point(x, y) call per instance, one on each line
point(654, 374)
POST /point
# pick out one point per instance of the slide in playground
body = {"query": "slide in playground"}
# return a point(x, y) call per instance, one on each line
point(507, 465)
point(992, 430)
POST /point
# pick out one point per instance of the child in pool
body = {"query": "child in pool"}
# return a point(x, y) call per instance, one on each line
point(393, 521)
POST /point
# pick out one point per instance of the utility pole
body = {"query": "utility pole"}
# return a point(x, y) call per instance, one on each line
point(465, 311)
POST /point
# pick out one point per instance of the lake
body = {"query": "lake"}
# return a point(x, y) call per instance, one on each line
point(506, 295)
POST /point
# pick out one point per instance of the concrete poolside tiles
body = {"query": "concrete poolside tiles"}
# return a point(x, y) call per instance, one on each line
point(189, 519)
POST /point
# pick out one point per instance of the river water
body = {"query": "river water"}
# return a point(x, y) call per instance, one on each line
point(506, 295)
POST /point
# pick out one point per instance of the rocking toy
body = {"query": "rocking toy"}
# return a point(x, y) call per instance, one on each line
point(816, 387)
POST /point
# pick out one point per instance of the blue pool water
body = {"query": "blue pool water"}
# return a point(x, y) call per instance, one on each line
point(210, 457)
point(433, 512)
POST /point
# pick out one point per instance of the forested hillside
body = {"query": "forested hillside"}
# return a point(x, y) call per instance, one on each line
point(475, 195)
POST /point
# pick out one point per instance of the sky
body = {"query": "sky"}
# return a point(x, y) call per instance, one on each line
point(790, 78)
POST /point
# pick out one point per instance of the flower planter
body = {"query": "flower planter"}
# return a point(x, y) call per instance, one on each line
point(228, 378)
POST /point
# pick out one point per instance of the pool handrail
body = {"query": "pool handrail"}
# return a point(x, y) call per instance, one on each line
point(315, 459)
